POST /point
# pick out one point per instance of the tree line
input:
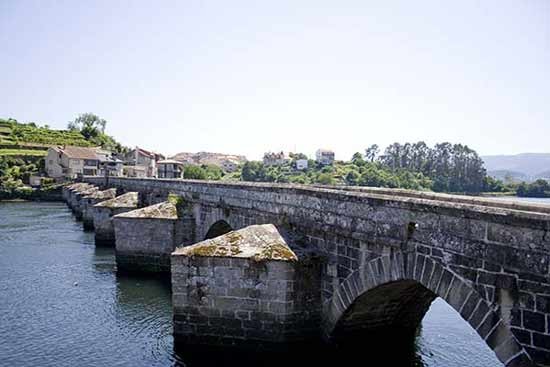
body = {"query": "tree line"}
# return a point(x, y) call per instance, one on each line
point(444, 167)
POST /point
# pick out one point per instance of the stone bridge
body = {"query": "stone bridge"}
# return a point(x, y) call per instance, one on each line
point(376, 258)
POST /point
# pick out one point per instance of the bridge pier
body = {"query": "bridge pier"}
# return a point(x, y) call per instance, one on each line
point(89, 201)
point(105, 211)
point(246, 288)
point(386, 254)
point(69, 191)
point(77, 200)
point(146, 237)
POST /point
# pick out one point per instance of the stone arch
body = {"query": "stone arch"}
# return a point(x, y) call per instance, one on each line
point(217, 229)
point(421, 280)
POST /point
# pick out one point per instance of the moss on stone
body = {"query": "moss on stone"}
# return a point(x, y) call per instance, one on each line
point(176, 200)
point(257, 242)
point(275, 251)
point(128, 200)
point(211, 249)
point(164, 210)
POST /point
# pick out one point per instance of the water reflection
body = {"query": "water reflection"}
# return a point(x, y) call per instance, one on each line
point(63, 304)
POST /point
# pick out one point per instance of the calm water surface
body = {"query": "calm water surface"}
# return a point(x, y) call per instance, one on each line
point(62, 304)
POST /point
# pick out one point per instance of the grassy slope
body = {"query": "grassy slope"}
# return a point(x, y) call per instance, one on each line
point(23, 152)
point(25, 140)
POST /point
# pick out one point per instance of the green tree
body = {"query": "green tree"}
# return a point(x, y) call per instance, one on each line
point(371, 152)
point(325, 179)
point(89, 125)
point(357, 159)
point(194, 173)
point(352, 178)
point(540, 189)
point(253, 171)
point(212, 172)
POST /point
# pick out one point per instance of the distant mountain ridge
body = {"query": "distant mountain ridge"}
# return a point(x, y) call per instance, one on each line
point(521, 167)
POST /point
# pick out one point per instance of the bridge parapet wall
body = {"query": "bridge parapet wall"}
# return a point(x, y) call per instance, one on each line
point(500, 250)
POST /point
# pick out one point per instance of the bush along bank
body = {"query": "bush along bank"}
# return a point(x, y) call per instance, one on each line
point(48, 193)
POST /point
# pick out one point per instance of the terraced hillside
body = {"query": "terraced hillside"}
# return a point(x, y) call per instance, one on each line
point(29, 140)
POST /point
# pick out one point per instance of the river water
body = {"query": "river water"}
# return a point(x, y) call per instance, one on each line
point(63, 304)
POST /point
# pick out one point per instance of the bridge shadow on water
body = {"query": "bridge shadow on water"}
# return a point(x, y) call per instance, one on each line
point(397, 348)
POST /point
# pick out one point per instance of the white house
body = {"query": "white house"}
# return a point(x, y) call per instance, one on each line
point(301, 164)
point(69, 161)
point(170, 168)
point(275, 159)
point(324, 156)
point(143, 160)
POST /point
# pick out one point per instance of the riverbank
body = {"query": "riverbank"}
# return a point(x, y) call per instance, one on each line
point(49, 193)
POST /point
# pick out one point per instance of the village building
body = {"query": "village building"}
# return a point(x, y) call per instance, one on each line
point(324, 156)
point(275, 159)
point(134, 171)
point(143, 161)
point(68, 162)
point(111, 166)
point(301, 164)
point(170, 168)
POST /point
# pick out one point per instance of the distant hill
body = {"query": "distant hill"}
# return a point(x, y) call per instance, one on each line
point(526, 166)
point(207, 158)
point(504, 175)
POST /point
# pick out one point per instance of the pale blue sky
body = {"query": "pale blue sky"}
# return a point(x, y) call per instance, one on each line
point(250, 76)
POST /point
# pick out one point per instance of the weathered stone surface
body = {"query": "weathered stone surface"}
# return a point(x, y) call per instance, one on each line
point(70, 190)
point(103, 213)
point(247, 286)
point(77, 200)
point(89, 201)
point(258, 242)
point(490, 259)
point(146, 237)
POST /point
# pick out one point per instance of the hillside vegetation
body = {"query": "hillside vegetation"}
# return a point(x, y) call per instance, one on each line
point(25, 135)
point(23, 147)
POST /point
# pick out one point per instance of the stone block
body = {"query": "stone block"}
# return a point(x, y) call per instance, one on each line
point(260, 289)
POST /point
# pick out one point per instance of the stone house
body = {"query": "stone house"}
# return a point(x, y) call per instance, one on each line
point(143, 160)
point(324, 156)
point(134, 171)
point(70, 161)
point(170, 168)
point(112, 166)
point(275, 159)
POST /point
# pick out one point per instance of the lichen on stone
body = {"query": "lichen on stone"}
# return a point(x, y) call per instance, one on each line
point(275, 251)
point(78, 186)
point(258, 242)
point(105, 194)
point(128, 200)
point(175, 199)
point(164, 210)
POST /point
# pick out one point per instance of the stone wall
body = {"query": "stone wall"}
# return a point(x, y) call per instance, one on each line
point(145, 244)
point(106, 210)
point(89, 201)
point(244, 301)
point(496, 251)
point(78, 201)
